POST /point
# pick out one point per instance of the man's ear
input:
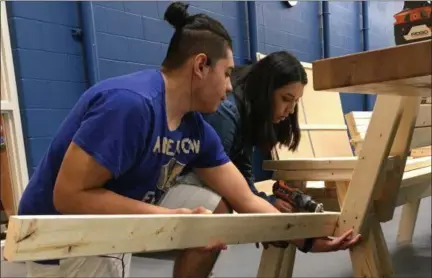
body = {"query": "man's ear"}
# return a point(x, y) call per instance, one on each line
point(201, 65)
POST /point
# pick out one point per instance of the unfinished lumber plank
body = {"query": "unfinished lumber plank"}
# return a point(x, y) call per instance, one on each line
point(400, 148)
point(424, 116)
point(421, 152)
point(378, 71)
point(416, 176)
point(407, 222)
point(53, 237)
point(314, 175)
point(287, 265)
point(2, 243)
point(319, 163)
point(417, 163)
point(371, 258)
point(421, 137)
point(271, 262)
point(322, 127)
point(368, 172)
point(413, 193)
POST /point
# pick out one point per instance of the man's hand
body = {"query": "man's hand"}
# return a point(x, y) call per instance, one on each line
point(283, 206)
point(198, 210)
point(331, 244)
point(212, 246)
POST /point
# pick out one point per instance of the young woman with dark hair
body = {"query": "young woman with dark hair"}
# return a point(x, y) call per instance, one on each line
point(260, 112)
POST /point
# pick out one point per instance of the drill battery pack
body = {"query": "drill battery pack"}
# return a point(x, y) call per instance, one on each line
point(413, 23)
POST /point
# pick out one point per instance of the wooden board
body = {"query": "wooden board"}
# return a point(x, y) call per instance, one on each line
point(358, 124)
point(321, 163)
point(422, 152)
point(403, 70)
point(359, 120)
point(51, 237)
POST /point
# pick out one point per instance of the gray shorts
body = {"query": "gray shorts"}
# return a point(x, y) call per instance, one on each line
point(188, 192)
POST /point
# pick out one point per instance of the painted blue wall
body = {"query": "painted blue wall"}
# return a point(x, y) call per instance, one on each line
point(49, 69)
point(133, 35)
point(345, 38)
point(381, 30)
point(52, 67)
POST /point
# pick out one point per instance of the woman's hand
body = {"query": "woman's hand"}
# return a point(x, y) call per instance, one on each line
point(322, 244)
point(331, 244)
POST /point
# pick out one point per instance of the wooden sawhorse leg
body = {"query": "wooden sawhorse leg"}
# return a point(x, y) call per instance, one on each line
point(407, 222)
point(277, 262)
point(371, 258)
point(389, 133)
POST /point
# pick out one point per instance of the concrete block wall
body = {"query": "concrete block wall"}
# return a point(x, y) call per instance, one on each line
point(52, 66)
point(133, 35)
point(345, 38)
point(381, 30)
point(49, 69)
point(295, 29)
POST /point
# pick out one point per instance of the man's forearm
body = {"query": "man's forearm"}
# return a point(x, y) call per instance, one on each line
point(102, 201)
point(256, 204)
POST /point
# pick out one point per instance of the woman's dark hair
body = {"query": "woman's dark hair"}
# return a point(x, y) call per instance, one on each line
point(254, 87)
point(194, 34)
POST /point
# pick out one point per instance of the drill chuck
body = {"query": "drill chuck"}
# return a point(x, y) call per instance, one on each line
point(297, 198)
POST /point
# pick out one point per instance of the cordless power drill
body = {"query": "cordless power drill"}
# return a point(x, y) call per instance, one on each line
point(301, 202)
point(298, 199)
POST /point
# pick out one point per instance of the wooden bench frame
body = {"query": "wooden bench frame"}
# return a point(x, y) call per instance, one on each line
point(399, 83)
point(419, 164)
point(415, 185)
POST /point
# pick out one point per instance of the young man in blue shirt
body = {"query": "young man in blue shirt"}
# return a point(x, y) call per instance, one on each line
point(127, 138)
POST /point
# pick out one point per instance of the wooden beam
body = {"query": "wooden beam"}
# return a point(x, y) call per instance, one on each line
point(323, 163)
point(314, 175)
point(2, 243)
point(416, 176)
point(403, 70)
point(54, 237)
point(322, 127)
point(422, 152)
point(413, 193)
point(400, 148)
point(417, 163)
point(368, 172)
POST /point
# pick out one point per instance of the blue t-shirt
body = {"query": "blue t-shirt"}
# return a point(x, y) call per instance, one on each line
point(121, 122)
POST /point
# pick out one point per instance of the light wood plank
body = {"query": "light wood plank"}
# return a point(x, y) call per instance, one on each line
point(421, 137)
point(407, 222)
point(424, 116)
point(417, 163)
point(379, 71)
point(367, 175)
point(413, 193)
point(271, 262)
point(323, 163)
point(400, 148)
point(359, 120)
point(314, 175)
point(51, 237)
point(421, 152)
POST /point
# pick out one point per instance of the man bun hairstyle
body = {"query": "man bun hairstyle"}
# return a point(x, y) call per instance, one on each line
point(194, 34)
point(177, 14)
